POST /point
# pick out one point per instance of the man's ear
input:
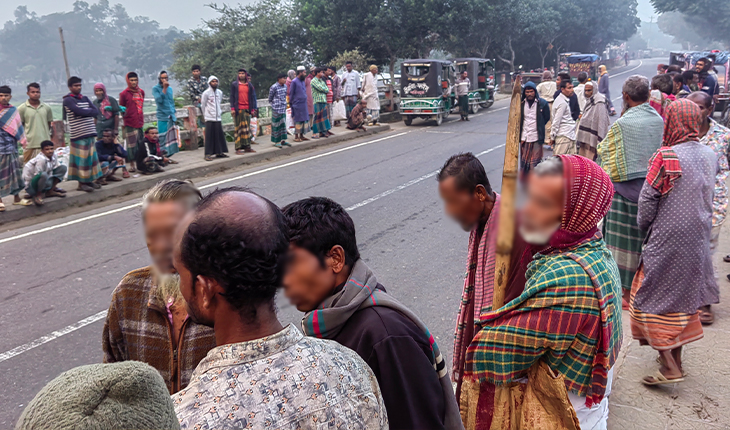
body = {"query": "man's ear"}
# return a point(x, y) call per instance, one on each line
point(336, 257)
point(481, 193)
point(208, 288)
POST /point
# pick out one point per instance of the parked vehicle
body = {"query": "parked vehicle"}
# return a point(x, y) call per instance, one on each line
point(426, 89)
point(481, 76)
point(578, 63)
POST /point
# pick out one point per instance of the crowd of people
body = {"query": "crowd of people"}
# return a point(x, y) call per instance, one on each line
point(97, 150)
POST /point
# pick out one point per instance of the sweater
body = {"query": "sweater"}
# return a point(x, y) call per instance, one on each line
point(107, 152)
point(80, 113)
point(252, 105)
point(133, 116)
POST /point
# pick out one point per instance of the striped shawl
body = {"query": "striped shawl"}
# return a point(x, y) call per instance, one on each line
point(10, 122)
point(569, 316)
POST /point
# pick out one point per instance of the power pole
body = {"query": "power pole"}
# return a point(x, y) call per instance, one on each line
point(63, 48)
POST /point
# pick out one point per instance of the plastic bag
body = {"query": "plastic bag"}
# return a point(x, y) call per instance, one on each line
point(289, 122)
point(339, 113)
point(254, 127)
point(62, 154)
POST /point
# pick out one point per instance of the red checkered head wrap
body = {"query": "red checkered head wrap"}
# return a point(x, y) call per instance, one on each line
point(588, 195)
point(682, 122)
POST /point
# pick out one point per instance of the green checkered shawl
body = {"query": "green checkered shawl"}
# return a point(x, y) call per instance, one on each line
point(569, 315)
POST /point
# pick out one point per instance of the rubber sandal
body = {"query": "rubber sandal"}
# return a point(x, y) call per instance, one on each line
point(2, 207)
point(208, 158)
point(278, 145)
point(23, 202)
point(726, 258)
point(707, 317)
point(660, 379)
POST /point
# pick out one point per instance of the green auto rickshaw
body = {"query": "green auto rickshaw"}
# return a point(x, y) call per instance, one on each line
point(426, 89)
point(481, 76)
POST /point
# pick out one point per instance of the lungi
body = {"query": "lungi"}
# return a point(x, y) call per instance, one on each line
point(83, 163)
point(588, 151)
point(133, 137)
point(623, 237)
point(321, 121)
point(170, 147)
point(215, 138)
point(464, 106)
point(243, 129)
point(11, 175)
point(564, 145)
point(43, 182)
point(662, 332)
point(301, 127)
point(530, 156)
point(350, 103)
point(374, 114)
point(278, 127)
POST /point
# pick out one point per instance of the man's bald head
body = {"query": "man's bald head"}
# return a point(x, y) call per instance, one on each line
point(701, 98)
point(238, 239)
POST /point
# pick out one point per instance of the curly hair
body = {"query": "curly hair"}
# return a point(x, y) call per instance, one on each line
point(317, 224)
point(245, 252)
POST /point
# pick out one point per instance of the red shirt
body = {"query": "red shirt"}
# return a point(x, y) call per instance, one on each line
point(133, 101)
point(329, 94)
point(242, 96)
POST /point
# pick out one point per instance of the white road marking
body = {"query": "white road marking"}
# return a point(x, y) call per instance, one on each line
point(630, 70)
point(214, 184)
point(101, 315)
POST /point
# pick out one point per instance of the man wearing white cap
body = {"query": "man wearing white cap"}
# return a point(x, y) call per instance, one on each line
point(298, 100)
point(370, 93)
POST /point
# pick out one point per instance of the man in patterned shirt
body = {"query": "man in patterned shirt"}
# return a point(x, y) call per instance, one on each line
point(716, 137)
point(230, 253)
point(196, 85)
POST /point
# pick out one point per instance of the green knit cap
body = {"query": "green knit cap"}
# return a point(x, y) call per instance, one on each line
point(129, 395)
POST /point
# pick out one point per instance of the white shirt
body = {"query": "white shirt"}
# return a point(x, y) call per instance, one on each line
point(579, 91)
point(351, 86)
point(563, 123)
point(546, 90)
point(529, 122)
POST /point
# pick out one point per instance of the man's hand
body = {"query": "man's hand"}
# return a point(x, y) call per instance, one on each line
point(165, 160)
point(119, 159)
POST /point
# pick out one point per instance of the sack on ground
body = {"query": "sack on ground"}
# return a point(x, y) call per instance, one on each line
point(339, 112)
point(62, 154)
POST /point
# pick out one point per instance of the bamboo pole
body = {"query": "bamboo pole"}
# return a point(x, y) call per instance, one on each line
point(63, 48)
point(505, 235)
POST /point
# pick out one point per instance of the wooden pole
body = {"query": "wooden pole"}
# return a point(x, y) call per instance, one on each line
point(63, 48)
point(505, 235)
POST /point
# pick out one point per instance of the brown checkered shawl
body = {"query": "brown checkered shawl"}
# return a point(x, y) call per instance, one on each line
point(137, 328)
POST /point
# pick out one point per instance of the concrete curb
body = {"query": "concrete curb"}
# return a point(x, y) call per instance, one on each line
point(184, 170)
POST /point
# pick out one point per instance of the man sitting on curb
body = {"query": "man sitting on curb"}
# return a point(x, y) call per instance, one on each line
point(43, 173)
point(111, 156)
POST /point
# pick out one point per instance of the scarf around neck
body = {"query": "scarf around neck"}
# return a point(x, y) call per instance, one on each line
point(361, 291)
point(104, 102)
point(12, 124)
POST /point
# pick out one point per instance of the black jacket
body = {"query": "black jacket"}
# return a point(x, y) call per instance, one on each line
point(543, 112)
point(398, 352)
point(252, 106)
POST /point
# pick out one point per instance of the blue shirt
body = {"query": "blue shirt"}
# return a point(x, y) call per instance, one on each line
point(277, 98)
point(165, 102)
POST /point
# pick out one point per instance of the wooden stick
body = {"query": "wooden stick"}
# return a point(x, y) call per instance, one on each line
point(505, 235)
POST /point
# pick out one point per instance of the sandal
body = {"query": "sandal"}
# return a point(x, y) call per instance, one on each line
point(208, 158)
point(37, 201)
point(658, 378)
point(23, 202)
point(125, 174)
point(54, 193)
point(278, 145)
point(726, 258)
point(707, 317)
point(2, 207)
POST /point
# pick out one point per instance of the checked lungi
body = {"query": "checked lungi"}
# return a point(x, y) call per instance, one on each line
point(133, 137)
point(623, 237)
point(301, 127)
point(83, 163)
point(43, 182)
point(350, 103)
point(278, 127)
point(11, 174)
point(530, 156)
point(321, 121)
point(243, 129)
point(170, 146)
point(464, 106)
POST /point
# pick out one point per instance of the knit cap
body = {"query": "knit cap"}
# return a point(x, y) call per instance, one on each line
point(129, 395)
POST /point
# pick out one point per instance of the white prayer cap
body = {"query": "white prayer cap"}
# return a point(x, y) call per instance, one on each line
point(300, 68)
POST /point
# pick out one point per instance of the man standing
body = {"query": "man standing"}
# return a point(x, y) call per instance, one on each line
point(350, 87)
point(215, 138)
point(708, 81)
point(147, 320)
point(321, 122)
point(166, 116)
point(37, 118)
point(582, 79)
point(299, 102)
point(197, 85)
point(594, 122)
point(716, 137)
point(83, 164)
point(358, 116)
point(573, 99)
point(43, 173)
point(535, 116)
point(11, 135)
point(132, 99)
point(370, 93)
point(567, 321)
point(243, 106)
point(335, 87)
point(604, 88)
point(310, 96)
point(277, 100)
point(461, 91)
point(231, 254)
point(562, 132)
point(343, 301)
point(546, 90)
point(624, 155)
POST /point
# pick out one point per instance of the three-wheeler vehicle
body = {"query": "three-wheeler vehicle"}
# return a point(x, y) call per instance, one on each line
point(481, 77)
point(426, 89)
point(583, 63)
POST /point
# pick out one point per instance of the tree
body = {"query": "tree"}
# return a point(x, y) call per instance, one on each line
point(709, 18)
point(360, 61)
point(682, 30)
point(264, 38)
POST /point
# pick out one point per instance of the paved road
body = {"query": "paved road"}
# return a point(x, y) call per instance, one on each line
point(57, 283)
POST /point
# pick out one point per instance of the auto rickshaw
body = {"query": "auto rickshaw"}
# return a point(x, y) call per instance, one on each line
point(563, 65)
point(578, 63)
point(481, 76)
point(426, 89)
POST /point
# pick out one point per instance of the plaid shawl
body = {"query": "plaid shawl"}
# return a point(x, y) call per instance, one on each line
point(361, 291)
point(569, 316)
point(12, 124)
point(664, 169)
point(594, 122)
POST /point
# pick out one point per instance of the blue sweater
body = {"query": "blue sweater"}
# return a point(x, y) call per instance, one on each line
point(107, 152)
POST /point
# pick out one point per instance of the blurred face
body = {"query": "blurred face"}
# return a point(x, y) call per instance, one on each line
point(463, 206)
point(530, 94)
point(348, 67)
point(320, 74)
point(588, 91)
point(75, 88)
point(5, 99)
point(375, 71)
point(282, 81)
point(152, 134)
point(133, 82)
point(700, 66)
point(99, 93)
point(163, 78)
point(307, 282)
point(541, 215)
point(48, 151)
point(706, 110)
point(108, 137)
point(160, 222)
point(196, 74)
point(568, 90)
point(213, 84)
point(557, 81)
point(241, 76)
point(301, 74)
point(34, 94)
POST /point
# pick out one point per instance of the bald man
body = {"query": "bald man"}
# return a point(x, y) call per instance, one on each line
point(716, 137)
point(261, 374)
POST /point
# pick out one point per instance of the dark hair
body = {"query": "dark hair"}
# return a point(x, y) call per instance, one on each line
point(333, 68)
point(348, 62)
point(131, 75)
point(107, 130)
point(679, 78)
point(33, 85)
point(46, 143)
point(564, 83)
point(317, 70)
point(663, 83)
point(664, 67)
point(712, 57)
point(242, 70)
point(467, 171)
point(705, 60)
point(281, 76)
point(195, 67)
point(244, 253)
point(73, 80)
point(582, 77)
point(317, 224)
point(674, 68)
point(5, 90)
point(147, 130)
point(689, 75)
point(564, 76)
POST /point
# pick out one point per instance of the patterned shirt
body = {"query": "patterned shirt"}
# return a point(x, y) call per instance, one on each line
point(196, 88)
point(277, 98)
point(319, 90)
point(718, 138)
point(283, 381)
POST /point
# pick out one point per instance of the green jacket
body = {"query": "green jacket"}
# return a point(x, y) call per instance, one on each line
point(319, 90)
